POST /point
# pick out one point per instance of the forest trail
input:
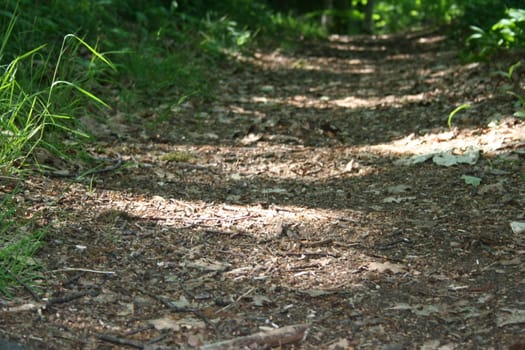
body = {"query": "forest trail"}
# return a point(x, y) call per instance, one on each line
point(321, 187)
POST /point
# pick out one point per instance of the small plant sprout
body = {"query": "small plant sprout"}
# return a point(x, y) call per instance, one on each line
point(508, 74)
point(454, 112)
point(512, 88)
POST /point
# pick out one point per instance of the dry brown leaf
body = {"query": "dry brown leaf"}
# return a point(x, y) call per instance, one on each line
point(386, 266)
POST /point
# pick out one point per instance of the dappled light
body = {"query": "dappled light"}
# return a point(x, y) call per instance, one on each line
point(258, 180)
point(489, 141)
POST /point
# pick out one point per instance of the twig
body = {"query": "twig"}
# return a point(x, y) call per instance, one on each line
point(85, 270)
point(236, 300)
point(206, 320)
point(26, 287)
point(120, 341)
point(9, 177)
point(270, 339)
point(227, 233)
point(117, 163)
point(311, 254)
point(140, 330)
point(58, 300)
point(401, 261)
point(72, 296)
point(74, 278)
point(317, 243)
point(186, 165)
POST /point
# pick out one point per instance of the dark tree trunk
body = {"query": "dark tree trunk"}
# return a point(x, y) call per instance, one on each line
point(369, 21)
point(334, 18)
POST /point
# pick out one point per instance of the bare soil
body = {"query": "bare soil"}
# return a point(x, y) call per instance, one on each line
point(292, 198)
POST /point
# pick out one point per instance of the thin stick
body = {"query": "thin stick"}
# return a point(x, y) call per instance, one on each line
point(236, 300)
point(85, 270)
point(72, 296)
point(26, 287)
point(273, 338)
point(120, 341)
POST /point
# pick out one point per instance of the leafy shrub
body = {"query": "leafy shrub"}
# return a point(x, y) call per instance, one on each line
point(223, 34)
point(484, 13)
point(507, 33)
point(513, 87)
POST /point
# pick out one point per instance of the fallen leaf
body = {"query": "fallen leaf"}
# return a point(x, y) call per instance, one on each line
point(427, 310)
point(351, 166)
point(419, 158)
point(419, 310)
point(397, 199)
point(267, 88)
point(445, 159)
point(430, 345)
point(446, 136)
point(517, 227)
point(510, 316)
point(165, 323)
point(128, 309)
point(471, 180)
point(448, 159)
point(207, 265)
point(387, 266)
point(515, 261)
point(341, 344)
point(492, 188)
point(274, 190)
point(260, 300)
point(455, 287)
point(398, 189)
point(194, 340)
point(401, 306)
point(393, 346)
point(251, 138)
point(316, 292)
point(181, 303)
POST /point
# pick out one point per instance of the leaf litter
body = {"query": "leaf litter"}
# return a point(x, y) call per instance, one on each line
point(260, 216)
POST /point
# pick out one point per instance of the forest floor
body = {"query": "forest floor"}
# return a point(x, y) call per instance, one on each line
point(321, 187)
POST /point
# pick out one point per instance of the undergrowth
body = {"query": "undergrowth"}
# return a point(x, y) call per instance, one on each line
point(20, 238)
point(38, 95)
point(55, 67)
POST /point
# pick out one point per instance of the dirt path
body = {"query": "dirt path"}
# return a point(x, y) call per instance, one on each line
point(289, 200)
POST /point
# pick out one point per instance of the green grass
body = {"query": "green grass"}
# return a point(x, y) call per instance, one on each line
point(29, 117)
point(454, 112)
point(36, 104)
point(19, 240)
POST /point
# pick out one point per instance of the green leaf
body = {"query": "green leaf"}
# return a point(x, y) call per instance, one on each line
point(92, 50)
point(477, 29)
point(518, 15)
point(471, 180)
point(83, 91)
point(513, 68)
point(520, 114)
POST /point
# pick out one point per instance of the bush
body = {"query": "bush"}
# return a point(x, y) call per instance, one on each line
point(507, 33)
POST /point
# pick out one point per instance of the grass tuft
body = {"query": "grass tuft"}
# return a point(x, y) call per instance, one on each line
point(19, 240)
